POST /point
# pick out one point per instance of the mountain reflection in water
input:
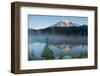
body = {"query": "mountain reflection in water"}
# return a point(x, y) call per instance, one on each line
point(61, 47)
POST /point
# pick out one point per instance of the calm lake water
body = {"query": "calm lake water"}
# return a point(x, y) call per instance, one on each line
point(61, 46)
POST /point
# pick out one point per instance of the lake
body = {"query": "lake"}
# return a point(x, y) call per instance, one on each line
point(50, 47)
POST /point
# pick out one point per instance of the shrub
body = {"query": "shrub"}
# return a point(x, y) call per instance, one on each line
point(81, 54)
point(67, 57)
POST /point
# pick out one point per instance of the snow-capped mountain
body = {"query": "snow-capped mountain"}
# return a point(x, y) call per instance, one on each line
point(65, 27)
point(64, 23)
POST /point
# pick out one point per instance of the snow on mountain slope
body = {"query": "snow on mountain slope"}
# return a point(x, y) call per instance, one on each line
point(64, 23)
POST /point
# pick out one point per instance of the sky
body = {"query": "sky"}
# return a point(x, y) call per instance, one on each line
point(43, 21)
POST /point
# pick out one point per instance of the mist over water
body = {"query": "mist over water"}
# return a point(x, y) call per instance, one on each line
point(61, 46)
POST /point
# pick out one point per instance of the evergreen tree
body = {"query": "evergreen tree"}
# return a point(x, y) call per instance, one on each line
point(47, 53)
point(31, 55)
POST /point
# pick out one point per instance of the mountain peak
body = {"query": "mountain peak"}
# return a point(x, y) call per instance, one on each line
point(65, 23)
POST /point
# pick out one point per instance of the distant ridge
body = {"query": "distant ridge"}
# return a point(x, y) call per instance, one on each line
point(65, 27)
